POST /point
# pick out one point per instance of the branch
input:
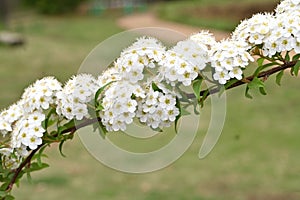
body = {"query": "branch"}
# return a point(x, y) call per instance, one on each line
point(29, 157)
point(83, 124)
point(263, 74)
point(19, 169)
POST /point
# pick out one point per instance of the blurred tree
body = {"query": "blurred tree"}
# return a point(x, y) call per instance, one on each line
point(54, 6)
point(4, 10)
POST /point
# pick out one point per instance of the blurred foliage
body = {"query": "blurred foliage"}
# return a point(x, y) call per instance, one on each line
point(53, 6)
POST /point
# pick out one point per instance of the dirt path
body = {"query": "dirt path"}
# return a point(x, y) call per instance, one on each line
point(148, 19)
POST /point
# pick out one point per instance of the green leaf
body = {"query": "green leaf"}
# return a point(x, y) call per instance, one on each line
point(8, 197)
point(178, 116)
point(35, 167)
point(101, 128)
point(157, 129)
point(295, 68)
point(256, 83)
point(100, 90)
point(29, 179)
point(60, 147)
point(66, 126)
point(260, 61)
point(195, 105)
point(279, 77)
point(197, 87)
point(156, 88)
point(184, 112)
point(262, 91)
point(247, 93)
point(269, 65)
point(99, 107)
point(296, 57)
point(287, 56)
point(47, 122)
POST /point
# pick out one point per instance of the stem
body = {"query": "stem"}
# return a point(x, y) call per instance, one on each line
point(72, 130)
point(263, 74)
point(19, 169)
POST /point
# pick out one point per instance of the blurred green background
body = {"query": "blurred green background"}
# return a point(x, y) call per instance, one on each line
point(256, 158)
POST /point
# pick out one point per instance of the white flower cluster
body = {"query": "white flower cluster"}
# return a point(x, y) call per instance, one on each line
point(228, 59)
point(288, 6)
point(158, 109)
point(72, 100)
point(41, 94)
point(143, 53)
point(278, 32)
point(135, 85)
point(183, 62)
point(22, 122)
point(254, 30)
point(118, 105)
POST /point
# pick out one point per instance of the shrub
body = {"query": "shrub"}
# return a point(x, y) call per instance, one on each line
point(53, 6)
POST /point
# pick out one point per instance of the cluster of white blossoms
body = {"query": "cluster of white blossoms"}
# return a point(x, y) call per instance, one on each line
point(288, 6)
point(136, 85)
point(276, 32)
point(22, 122)
point(72, 100)
point(158, 109)
point(41, 94)
point(184, 62)
point(145, 52)
point(228, 59)
point(119, 106)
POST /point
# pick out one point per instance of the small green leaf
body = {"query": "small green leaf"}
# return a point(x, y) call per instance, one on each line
point(9, 197)
point(46, 122)
point(29, 179)
point(157, 129)
point(279, 77)
point(256, 83)
point(100, 90)
point(262, 91)
point(296, 57)
point(178, 116)
point(269, 65)
point(156, 88)
point(296, 67)
point(197, 87)
point(66, 126)
point(287, 56)
point(99, 107)
point(60, 147)
point(102, 130)
point(247, 93)
point(260, 61)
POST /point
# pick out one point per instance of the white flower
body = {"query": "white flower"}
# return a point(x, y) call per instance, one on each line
point(119, 105)
point(34, 142)
point(228, 59)
point(236, 73)
point(204, 39)
point(157, 109)
point(76, 94)
point(40, 95)
point(255, 29)
point(221, 76)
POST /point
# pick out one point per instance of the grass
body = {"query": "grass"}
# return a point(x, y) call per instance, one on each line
point(257, 156)
point(216, 14)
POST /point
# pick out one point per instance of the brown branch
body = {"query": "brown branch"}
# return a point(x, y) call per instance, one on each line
point(263, 74)
point(19, 169)
point(83, 124)
point(30, 156)
point(72, 130)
